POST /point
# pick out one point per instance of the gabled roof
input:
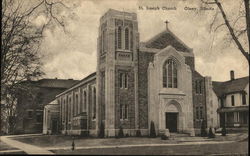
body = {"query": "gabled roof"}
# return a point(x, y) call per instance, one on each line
point(52, 83)
point(164, 39)
point(231, 86)
point(85, 80)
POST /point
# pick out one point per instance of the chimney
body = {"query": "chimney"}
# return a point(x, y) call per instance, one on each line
point(166, 24)
point(232, 75)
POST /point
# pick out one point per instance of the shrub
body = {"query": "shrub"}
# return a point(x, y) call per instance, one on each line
point(203, 129)
point(210, 133)
point(102, 131)
point(152, 130)
point(164, 137)
point(120, 133)
point(138, 133)
point(224, 131)
point(127, 135)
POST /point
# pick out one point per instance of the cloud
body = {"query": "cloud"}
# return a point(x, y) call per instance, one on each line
point(73, 55)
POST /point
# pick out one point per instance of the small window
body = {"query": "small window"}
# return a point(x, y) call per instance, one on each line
point(39, 118)
point(232, 100)
point(120, 79)
point(85, 101)
point(94, 103)
point(127, 39)
point(29, 114)
point(243, 99)
point(125, 80)
point(201, 112)
point(119, 38)
point(197, 113)
point(126, 112)
point(200, 86)
point(121, 111)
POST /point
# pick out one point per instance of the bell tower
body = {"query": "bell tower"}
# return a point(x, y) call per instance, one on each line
point(118, 43)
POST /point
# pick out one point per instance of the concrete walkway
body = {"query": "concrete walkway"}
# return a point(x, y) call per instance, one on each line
point(27, 148)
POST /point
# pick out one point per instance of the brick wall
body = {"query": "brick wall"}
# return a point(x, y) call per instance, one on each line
point(144, 59)
point(125, 96)
point(199, 100)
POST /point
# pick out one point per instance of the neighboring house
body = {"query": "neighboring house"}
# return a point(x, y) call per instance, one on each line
point(233, 98)
point(30, 104)
point(51, 118)
point(136, 83)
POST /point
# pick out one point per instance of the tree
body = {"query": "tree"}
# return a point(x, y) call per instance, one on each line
point(240, 34)
point(224, 131)
point(120, 133)
point(203, 129)
point(102, 131)
point(21, 39)
point(210, 133)
point(152, 130)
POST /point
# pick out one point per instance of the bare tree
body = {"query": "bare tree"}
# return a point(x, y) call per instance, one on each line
point(21, 39)
point(236, 33)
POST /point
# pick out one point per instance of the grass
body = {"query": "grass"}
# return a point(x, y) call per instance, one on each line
point(4, 146)
point(54, 141)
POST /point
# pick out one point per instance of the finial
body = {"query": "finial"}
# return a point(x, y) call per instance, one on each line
point(166, 24)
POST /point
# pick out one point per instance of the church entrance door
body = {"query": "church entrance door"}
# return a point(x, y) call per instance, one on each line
point(171, 121)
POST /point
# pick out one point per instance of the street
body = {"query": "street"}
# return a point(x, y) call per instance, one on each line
point(210, 149)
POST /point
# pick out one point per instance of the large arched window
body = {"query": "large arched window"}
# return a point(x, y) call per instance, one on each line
point(85, 101)
point(170, 74)
point(94, 103)
point(127, 39)
point(119, 38)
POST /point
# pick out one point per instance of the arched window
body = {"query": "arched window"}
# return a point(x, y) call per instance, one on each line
point(94, 103)
point(170, 74)
point(76, 101)
point(84, 101)
point(127, 39)
point(119, 38)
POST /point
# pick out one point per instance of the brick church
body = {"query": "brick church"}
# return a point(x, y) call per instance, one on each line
point(137, 83)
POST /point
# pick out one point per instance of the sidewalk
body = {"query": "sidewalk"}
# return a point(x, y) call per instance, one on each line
point(27, 148)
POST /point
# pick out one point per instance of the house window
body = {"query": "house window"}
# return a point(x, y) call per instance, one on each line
point(120, 79)
point(201, 112)
point(123, 80)
point(94, 103)
point(29, 114)
point(70, 114)
point(124, 112)
point(39, 117)
point(232, 100)
point(197, 113)
point(84, 101)
point(198, 86)
point(243, 99)
point(119, 38)
point(76, 101)
point(127, 39)
point(170, 74)
point(121, 111)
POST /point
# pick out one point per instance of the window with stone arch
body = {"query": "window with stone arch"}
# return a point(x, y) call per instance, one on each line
point(94, 103)
point(119, 37)
point(170, 74)
point(127, 38)
point(84, 101)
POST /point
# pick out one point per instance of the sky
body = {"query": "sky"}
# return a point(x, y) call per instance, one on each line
point(72, 54)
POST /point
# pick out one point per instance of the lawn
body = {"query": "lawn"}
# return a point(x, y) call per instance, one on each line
point(51, 141)
point(4, 146)
point(65, 141)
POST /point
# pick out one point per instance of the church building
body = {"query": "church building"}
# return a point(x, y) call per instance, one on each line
point(137, 83)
